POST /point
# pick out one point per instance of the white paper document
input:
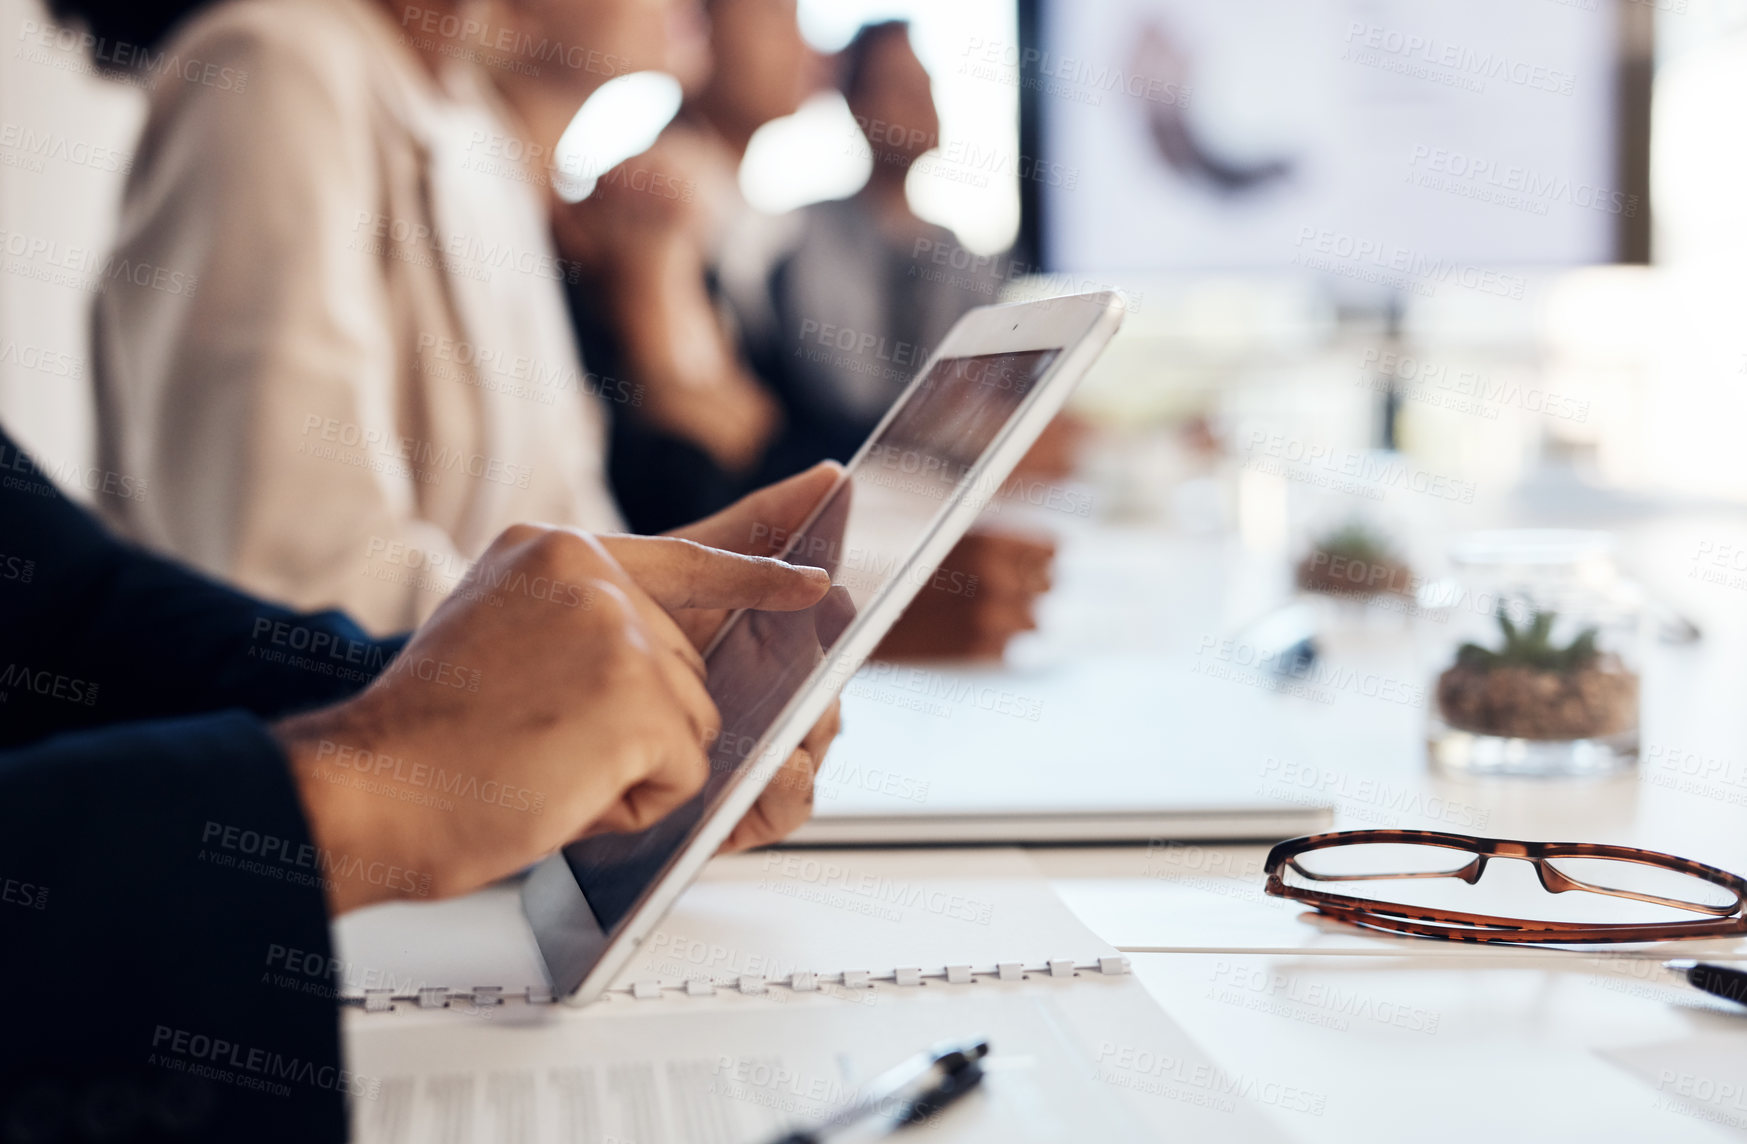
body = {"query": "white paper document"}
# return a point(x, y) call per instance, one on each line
point(1078, 1059)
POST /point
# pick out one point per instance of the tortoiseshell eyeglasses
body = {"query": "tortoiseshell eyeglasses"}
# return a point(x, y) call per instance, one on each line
point(1629, 894)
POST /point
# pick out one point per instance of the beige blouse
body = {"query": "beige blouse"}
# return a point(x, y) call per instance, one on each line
point(343, 363)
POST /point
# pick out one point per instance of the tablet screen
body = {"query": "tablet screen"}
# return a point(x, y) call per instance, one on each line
point(866, 535)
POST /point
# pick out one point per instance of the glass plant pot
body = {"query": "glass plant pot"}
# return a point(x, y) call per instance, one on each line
point(1540, 673)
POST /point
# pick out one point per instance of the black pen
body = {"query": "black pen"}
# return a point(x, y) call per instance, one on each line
point(909, 1093)
point(1717, 980)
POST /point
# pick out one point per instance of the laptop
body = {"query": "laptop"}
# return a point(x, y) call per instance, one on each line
point(1131, 750)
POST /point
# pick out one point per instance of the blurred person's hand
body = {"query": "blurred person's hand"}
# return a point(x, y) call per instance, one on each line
point(693, 384)
point(640, 237)
point(984, 594)
point(552, 697)
point(646, 201)
point(1056, 455)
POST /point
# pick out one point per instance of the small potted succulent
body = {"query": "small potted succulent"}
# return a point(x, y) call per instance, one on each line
point(1354, 561)
point(1539, 672)
point(1536, 688)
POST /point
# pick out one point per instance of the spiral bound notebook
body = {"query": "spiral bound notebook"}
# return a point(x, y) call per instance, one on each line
point(780, 982)
point(776, 920)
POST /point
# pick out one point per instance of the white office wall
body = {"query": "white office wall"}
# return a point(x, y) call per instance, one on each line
point(1699, 145)
point(64, 140)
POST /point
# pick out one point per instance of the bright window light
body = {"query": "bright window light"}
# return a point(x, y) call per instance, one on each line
point(814, 155)
point(621, 119)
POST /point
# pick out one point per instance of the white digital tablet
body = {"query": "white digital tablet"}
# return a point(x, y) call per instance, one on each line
point(906, 498)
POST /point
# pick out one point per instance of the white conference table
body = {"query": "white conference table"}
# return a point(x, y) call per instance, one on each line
point(1404, 1039)
point(1378, 1038)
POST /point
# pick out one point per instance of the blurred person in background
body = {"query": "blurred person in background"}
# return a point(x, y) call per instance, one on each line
point(652, 302)
point(373, 373)
point(909, 289)
point(703, 315)
point(914, 279)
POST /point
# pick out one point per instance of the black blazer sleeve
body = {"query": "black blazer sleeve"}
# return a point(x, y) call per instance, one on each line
point(166, 941)
point(163, 922)
point(95, 632)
